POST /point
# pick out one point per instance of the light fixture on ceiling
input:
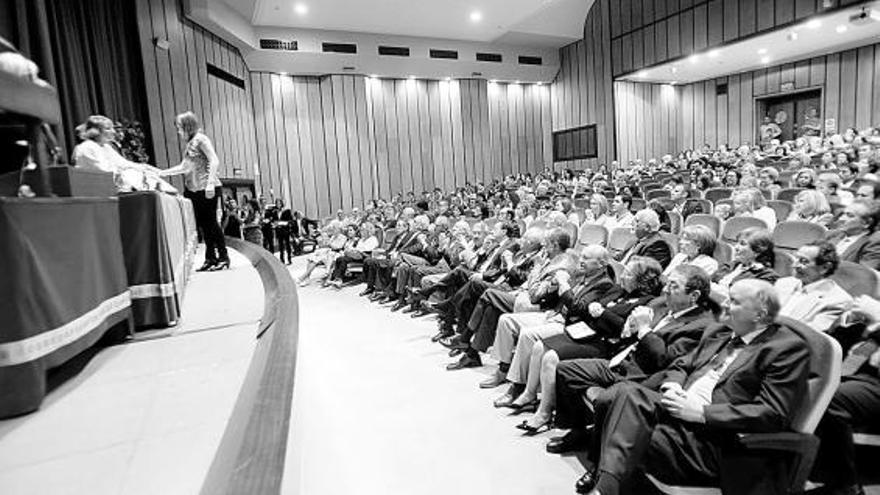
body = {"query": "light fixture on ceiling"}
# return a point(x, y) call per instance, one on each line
point(641, 74)
point(301, 9)
point(673, 69)
point(476, 16)
point(864, 16)
point(694, 58)
point(792, 36)
point(493, 81)
point(282, 73)
point(374, 76)
point(814, 24)
point(673, 83)
point(765, 60)
point(762, 51)
point(714, 53)
point(539, 83)
point(841, 28)
point(412, 78)
point(447, 79)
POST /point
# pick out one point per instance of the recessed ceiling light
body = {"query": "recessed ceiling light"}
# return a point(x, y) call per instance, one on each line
point(694, 58)
point(762, 51)
point(714, 53)
point(792, 36)
point(641, 74)
point(447, 79)
point(493, 81)
point(673, 83)
point(673, 69)
point(412, 78)
point(282, 73)
point(374, 76)
point(841, 29)
point(539, 83)
point(814, 24)
point(765, 60)
point(476, 16)
point(301, 9)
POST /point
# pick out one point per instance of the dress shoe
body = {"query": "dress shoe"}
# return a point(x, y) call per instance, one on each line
point(586, 482)
point(505, 400)
point(455, 352)
point(408, 309)
point(467, 361)
point(442, 334)
point(367, 291)
point(219, 265)
point(398, 306)
point(454, 342)
point(418, 313)
point(428, 306)
point(375, 296)
point(572, 441)
point(206, 266)
point(493, 381)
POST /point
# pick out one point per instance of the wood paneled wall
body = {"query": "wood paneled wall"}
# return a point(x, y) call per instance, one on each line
point(648, 32)
point(338, 141)
point(582, 92)
point(850, 83)
point(648, 116)
point(177, 80)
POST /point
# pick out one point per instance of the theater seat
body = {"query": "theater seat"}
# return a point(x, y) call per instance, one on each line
point(657, 193)
point(800, 444)
point(856, 279)
point(712, 222)
point(593, 234)
point(788, 194)
point(733, 226)
point(705, 205)
point(781, 208)
point(723, 252)
point(638, 204)
point(790, 235)
point(618, 240)
point(675, 222)
point(382, 236)
point(717, 193)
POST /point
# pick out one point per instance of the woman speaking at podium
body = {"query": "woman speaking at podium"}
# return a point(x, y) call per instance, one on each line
point(199, 165)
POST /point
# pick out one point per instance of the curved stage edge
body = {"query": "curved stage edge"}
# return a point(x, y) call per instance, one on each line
point(252, 452)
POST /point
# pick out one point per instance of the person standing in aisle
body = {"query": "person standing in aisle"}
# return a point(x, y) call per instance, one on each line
point(199, 167)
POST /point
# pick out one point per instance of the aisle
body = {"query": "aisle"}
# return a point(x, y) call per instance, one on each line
point(376, 412)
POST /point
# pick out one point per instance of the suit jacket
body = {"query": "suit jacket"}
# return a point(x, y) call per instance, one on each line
point(761, 388)
point(574, 303)
point(412, 245)
point(610, 323)
point(653, 246)
point(495, 269)
point(757, 271)
point(865, 251)
point(303, 227)
point(540, 284)
point(821, 307)
point(656, 350)
point(522, 265)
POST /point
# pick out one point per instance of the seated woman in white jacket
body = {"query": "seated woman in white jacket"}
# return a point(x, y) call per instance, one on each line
point(96, 152)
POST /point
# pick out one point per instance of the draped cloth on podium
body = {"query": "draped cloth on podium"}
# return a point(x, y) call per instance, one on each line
point(64, 285)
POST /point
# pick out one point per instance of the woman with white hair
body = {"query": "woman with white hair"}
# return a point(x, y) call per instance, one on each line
point(811, 206)
point(696, 246)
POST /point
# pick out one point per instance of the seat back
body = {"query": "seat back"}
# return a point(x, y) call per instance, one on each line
point(581, 214)
point(856, 279)
point(785, 177)
point(788, 194)
point(717, 193)
point(783, 263)
point(825, 360)
point(723, 252)
point(539, 224)
point(734, 225)
point(638, 204)
point(582, 203)
point(618, 240)
point(617, 267)
point(781, 208)
point(705, 205)
point(380, 236)
point(651, 186)
point(671, 241)
point(593, 234)
point(572, 230)
point(388, 237)
point(710, 221)
point(657, 193)
point(791, 235)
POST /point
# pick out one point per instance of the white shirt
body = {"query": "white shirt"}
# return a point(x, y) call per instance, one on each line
point(846, 242)
point(102, 157)
point(703, 386)
point(368, 244)
point(707, 263)
point(627, 221)
point(666, 320)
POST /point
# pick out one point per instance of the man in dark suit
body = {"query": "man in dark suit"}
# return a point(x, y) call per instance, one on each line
point(412, 247)
point(663, 336)
point(372, 265)
point(301, 228)
point(748, 374)
point(855, 238)
point(649, 242)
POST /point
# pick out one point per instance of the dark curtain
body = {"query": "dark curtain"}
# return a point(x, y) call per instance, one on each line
point(88, 50)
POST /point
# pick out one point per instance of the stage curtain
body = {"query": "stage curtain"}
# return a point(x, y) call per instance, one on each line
point(88, 50)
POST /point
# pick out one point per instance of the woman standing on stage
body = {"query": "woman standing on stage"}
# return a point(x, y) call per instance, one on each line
point(199, 166)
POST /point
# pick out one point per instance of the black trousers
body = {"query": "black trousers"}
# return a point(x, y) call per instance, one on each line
point(483, 322)
point(573, 379)
point(856, 405)
point(205, 210)
point(284, 247)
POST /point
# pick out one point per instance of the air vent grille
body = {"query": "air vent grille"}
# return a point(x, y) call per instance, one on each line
point(445, 54)
point(270, 44)
point(526, 60)
point(721, 89)
point(394, 51)
point(488, 57)
point(339, 48)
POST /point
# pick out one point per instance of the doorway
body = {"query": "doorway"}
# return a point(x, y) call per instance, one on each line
point(790, 116)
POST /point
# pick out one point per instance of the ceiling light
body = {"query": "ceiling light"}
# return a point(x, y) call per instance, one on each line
point(539, 83)
point(693, 59)
point(792, 36)
point(765, 60)
point(493, 81)
point(673, 69)
point(374, 76)
point(841, 29)
point(762, 51)
point(673, 83)
point(282, 73)
point(814, 24)
point(714, 53)
point(515, 82)
point(301, 9)
point(641, 74)
point(476, 16)
point(447, 79)
point(412, 78)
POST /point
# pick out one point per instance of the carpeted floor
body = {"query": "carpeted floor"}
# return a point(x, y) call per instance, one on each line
point(376, 412)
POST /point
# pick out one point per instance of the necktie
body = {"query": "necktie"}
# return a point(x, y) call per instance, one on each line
point(857, 357)
point(717, 362)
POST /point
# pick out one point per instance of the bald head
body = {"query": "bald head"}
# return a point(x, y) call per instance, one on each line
point(753, 303)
